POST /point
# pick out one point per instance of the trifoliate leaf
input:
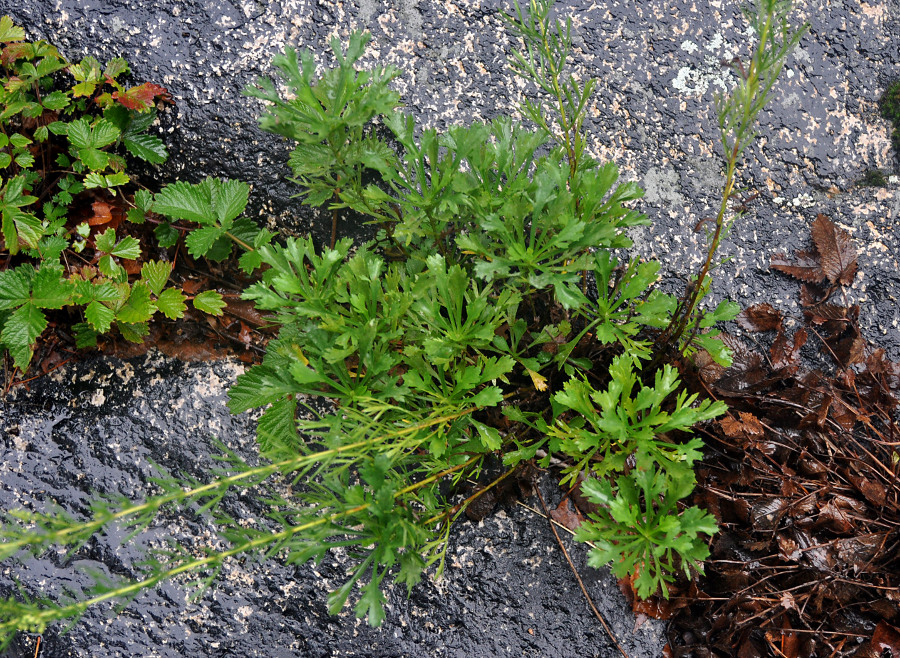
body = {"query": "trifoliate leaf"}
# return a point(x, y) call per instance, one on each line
point(171, 303)
point(156, 273)
point(94, 180)
point(210, 302)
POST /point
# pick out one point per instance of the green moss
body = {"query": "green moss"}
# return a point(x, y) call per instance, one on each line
point(890, 110)
point(873, 178)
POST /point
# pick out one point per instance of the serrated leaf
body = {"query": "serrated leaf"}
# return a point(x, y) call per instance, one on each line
point(156, 273)
point(15, 286)
point(259, 386)
point(182, 200)
point(106, 241)
point(49, 290)
point(20, 331)
point(24, 160)
point(128, 247)
point(115, 67)
point(209, 301)
point(138, 308)
point(133, 333)
point(759, 317)
point(170, 303)
point(95, 180)
point(166, 234)
point(836, 250)
point(276, 431)
point(10, 32)
point(201, 240)
point(141, 98)
point(99, 316)
point(95, 160)
point(56, 100)
point(146, 147)
point(804, 266)
point(85, 335)
point(229, 199)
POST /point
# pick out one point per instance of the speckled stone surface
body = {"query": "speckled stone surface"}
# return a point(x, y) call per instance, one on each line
point(658, 64)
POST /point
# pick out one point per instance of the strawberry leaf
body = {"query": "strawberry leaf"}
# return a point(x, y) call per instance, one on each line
point(155, 273)
point(171, 303)
point(210, 302)
point(99, 316)
point(146, 147)
point(141, 98)
point(138, 308)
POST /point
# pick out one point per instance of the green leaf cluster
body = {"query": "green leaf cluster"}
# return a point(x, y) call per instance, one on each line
point(66, 128)
point(488, 325)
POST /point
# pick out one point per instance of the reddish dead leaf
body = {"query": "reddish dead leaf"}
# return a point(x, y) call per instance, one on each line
point(836, 250)
point(804, 266)
point(886, 638)
point(759, 317)
point(567, 515)
point(131, 266)
point(141, 98)
point(872, 491)
point(102, 214)
point(246, 311)
point(192, 286)
point(747, 368)
point(479, 508)
point(785, 352)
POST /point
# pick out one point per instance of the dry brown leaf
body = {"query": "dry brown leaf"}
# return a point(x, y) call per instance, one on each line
point(759, 317)
point(838, 255)
point(804, 266)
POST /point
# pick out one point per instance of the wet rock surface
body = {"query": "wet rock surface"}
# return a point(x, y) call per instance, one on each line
point(98, 427)
point(92, 427)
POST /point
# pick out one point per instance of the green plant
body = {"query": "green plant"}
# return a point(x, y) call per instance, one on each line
point(890, 110)
point(465, 332)
point(737, 112)
point(62, 148)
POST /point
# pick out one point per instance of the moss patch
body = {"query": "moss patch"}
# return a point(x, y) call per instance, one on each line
point(890, 110)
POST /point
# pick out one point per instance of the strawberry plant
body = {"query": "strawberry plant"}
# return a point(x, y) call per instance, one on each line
point(65, 131)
